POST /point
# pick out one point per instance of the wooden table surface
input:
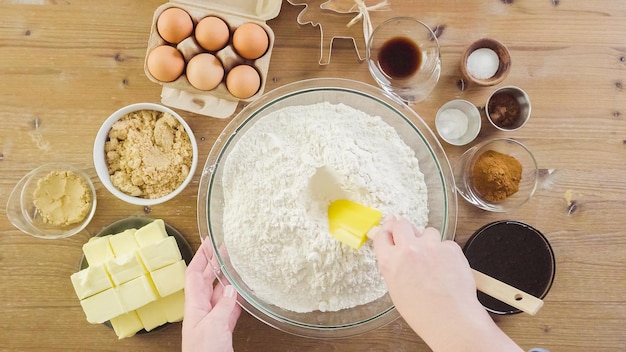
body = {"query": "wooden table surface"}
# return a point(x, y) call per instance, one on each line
point(66, 65)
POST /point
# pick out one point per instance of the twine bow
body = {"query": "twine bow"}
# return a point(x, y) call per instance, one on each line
point(365, 16)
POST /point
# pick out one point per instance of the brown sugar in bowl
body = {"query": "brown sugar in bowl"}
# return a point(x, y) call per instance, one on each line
point(177, 170)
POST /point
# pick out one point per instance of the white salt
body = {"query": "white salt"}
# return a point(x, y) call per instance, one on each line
point(483, 63)
point(452, 124)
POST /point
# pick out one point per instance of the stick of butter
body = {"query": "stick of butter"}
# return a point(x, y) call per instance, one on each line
point(137, 293)
point(151, 233)
point(90, 281)
point(174, 306)
point(152, 315)
point(125, 268)
point(98, 250)
point(102, 306)
point(124, 243)
point(126, 325)
point(169, 279)
point(159, 254)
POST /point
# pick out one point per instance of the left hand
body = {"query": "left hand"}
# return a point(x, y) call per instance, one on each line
point(211, 312)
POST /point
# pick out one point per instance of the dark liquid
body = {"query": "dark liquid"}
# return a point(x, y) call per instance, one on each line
point(514, 253)
point(399, 57)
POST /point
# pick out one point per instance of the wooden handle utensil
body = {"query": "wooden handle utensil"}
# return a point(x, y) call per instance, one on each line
point(506, 293)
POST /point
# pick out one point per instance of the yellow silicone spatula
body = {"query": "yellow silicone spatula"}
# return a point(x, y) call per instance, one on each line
point(350, 222)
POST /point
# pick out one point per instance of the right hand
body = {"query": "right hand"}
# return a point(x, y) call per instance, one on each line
point(432, 286)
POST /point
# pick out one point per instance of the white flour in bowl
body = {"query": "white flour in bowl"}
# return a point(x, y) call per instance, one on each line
point(278, 182)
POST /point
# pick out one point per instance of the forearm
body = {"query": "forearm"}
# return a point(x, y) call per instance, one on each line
point(470, 331)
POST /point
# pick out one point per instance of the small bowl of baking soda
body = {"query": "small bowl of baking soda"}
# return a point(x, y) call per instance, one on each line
point(458, 122)
point(486, 62)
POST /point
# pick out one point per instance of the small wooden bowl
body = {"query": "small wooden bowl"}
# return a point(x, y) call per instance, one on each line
point(503, 56)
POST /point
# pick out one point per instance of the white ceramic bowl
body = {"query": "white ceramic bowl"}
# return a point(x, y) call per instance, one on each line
point(101, 164)
point(372, 100)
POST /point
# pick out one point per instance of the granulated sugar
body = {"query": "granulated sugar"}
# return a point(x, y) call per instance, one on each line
point(278, 182)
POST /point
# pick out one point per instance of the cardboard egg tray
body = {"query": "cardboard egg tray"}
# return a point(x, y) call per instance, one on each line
point(218, 102)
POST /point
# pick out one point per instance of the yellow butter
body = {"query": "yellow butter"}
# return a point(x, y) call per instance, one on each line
point(102, 306)
point(124, 268)
point(151, 233)
point(126, 325)
point(98, 250)
point(137, 293)
point(169, 279)
point(152, 315)
point(174, 306)
point(124, 242)
point(118, 285)
point(90, 281)
point(160, 254)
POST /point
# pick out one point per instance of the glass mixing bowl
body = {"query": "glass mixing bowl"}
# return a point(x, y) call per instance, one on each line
point(373, 101)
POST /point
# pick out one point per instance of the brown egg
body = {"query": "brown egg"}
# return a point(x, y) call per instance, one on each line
point(205, 71)
point(165, 63)
point(250, 41)
point(174, 25)
point(212, 33)
point(243, 81)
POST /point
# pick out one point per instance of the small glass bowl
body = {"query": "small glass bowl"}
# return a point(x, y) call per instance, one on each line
point(23, 214)
point(463, 174)
point(402, 42)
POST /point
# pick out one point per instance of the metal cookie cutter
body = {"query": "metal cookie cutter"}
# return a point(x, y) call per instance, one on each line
point(330, 17)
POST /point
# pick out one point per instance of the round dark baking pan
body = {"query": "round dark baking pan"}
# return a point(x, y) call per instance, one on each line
point(514, 253)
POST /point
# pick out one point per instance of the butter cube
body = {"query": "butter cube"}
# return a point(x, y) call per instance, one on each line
point(125, 268)
point(98, 250)
point(152, 315)
point(160, 254)
point(137, 293)
point(126, 325)
point(90, 281)
point(151, 233)
point(124, 242)
point(103, 306)
point(174, 306)
point(169, 279)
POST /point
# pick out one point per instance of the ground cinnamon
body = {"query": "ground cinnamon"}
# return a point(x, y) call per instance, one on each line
point(496, 176)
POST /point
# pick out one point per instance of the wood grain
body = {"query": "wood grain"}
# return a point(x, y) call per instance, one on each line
point(66, 65)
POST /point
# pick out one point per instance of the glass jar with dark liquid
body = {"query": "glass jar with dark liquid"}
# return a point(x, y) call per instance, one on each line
point(403, 57)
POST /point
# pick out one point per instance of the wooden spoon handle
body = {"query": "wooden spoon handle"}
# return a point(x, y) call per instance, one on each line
point(507, 293)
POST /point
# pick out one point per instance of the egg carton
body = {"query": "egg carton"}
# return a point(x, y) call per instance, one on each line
point(218, 102)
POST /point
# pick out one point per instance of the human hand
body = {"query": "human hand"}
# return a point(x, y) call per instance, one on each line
point(211, 313)
point(432, 286)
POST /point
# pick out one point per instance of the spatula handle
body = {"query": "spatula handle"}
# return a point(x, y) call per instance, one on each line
point(506, 293)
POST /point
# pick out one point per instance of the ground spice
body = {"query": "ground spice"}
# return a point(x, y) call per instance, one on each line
point(496, 176)
point(504, 109)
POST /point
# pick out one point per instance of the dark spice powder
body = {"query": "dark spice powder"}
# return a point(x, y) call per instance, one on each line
point(504, 109)
point(496, 176)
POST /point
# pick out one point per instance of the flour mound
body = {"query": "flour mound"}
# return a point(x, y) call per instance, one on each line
point(278, 182)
